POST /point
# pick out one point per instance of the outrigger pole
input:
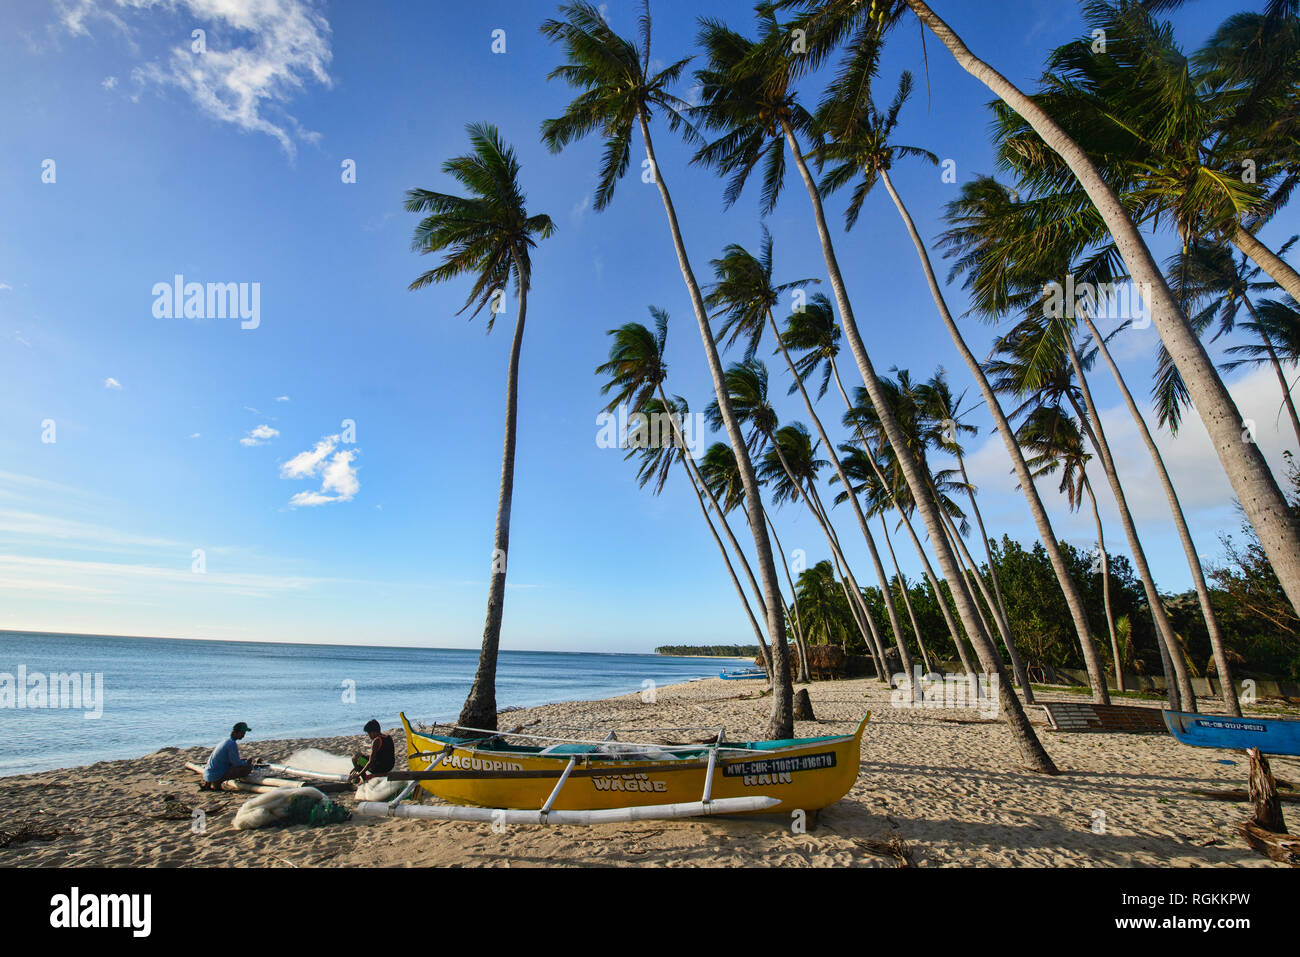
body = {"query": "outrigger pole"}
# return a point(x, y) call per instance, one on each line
point(648, 812)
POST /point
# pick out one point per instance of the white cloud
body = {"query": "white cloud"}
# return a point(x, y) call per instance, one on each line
point(5, 287)
point(258, 55)
point(259, 436)
point(109, 82)
point(579, 210)
point(194, 435)
point(305, 464)
point(281, 398)
point(111, 383)
point(339, 481)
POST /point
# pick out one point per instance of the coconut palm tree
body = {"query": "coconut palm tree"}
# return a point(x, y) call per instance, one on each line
point(944, 413)
point(1180, 162)
point(864, 420)
point(828, 22)
point(814, 332)
point(1037, 362)
point(1053, 438)
point(1004, 244)
point(636, 372)
point(618, 93)
point(789, 467)
point(861, 145)
point(825, 610)
point(745, 296)
point(866, 480)
point(721, 477)
point(1209, 276)
point(489, 236)
point(747, 387)
point(747, 96)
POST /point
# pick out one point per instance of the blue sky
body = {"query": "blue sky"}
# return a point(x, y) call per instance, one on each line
point(172, 435)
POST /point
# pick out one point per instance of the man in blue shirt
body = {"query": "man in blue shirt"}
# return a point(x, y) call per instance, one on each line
point(225, 763)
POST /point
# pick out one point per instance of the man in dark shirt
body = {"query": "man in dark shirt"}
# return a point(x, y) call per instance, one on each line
point(382, 757)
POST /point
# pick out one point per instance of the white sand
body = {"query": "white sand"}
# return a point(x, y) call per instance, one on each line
point(950, 794)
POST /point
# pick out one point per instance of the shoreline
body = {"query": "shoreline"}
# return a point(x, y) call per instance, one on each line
point(248, 743)
point(939, 786)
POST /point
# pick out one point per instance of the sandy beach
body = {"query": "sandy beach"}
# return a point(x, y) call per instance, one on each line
point(937, 788)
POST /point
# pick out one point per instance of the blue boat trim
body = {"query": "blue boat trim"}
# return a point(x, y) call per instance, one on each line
point(1270, 735)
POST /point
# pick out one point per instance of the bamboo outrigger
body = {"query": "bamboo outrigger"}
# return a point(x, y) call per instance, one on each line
point(574, 781)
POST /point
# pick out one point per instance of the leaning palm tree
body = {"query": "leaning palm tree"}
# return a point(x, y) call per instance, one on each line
point(1037, 362)
point(945, 415)
point(863, 418)
point(1055, 442)
point(1006, 240)
point(745, 295)
point(636, 372)
point(721, 476)
point(815, 335)
point(1208, 276)
point(618, 94)
point(789, 468)
point(487, 235)
point(747, 388)
point(861, 146)
point(829, 22)
point(866, 481)
point(747, 96)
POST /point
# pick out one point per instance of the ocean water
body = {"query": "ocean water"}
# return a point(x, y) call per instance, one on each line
point(158, 692)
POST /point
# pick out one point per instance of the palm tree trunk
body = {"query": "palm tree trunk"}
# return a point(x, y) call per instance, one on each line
point(793, 608)
point(1004, 630)
point(480, 708)
point(819, 516)
point(1269, 261)
point(1073, 600)
point(781, 723)
point(907, 599)
point(1017, 665)
point(1286, 389)
point(1022, 731)
point(1252, 481)
point(697, 480)
point(1180, 521)
point(1091, 424)
point(904, 652)
point(954, 633)
point(758, 631)
point(1105, 585)
point(864, 620)
point(848, 488)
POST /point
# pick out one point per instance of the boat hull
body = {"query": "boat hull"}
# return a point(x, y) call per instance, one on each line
point(807, 774)
point(1270, 735)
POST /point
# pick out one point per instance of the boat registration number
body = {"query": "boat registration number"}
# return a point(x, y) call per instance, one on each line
point(1231, 725)
point(803, 762)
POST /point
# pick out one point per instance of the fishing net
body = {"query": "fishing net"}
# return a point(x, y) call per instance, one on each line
point(285, 806)
point(379, 789)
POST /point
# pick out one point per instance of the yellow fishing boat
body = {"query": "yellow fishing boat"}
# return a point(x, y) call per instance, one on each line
point(566, 780)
